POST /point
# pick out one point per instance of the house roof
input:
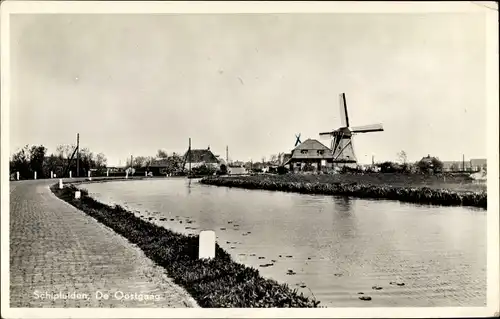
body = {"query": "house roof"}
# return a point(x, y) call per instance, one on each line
point(312, 147)
point(428, 158)
point(311, 144)
point(161, 162)
point(204, 155)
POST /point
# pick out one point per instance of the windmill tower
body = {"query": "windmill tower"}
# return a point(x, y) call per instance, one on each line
point(343, 151)
point(297, 141)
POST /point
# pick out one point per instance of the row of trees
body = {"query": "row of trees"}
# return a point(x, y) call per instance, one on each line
point(170, 163)
point(35, 158)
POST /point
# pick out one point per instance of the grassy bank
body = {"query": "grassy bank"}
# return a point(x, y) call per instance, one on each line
point(363, 186)
point(219, 282)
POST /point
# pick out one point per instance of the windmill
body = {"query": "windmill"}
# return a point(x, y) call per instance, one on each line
point(343, 151)
point(297, 142)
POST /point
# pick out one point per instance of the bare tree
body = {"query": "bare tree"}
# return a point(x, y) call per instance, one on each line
point(273, 158)
point(281, 157)
point(161, 154)
point(402, 157)
point(65, 150)
point(100, 160)
point(139, 161)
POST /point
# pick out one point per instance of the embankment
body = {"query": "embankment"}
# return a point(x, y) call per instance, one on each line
point(304, 185)
point(219, 282)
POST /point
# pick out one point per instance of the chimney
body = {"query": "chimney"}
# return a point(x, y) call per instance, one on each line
point(209, 147)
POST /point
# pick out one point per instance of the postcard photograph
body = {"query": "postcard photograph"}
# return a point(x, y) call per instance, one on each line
point(249, 159)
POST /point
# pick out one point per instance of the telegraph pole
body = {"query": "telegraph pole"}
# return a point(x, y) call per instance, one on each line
point(189, 155)
point(131, 158)
point(77, 154)
point(463, 162)
point(227, 155)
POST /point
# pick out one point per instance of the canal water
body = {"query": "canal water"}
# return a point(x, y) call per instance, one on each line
point(335, 247)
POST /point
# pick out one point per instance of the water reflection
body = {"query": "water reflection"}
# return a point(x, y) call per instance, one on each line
point(338, 246)
point(343, 204)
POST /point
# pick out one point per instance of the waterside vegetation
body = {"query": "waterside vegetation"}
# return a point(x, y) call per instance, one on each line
point(219, 282)
point(407, 188)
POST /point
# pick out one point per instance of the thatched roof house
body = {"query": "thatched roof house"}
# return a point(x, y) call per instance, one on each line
point(311, 149)
point(310, 152)
point(198, 157)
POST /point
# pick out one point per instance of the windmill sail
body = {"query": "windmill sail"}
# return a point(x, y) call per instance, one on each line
point(342, 147)
point(344, 116)
point(367, 128)
point(297, 142)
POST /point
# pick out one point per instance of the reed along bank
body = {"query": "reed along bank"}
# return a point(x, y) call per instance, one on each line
point(220, 282)
point(419, 189)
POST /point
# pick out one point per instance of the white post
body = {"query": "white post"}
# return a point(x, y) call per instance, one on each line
point(126, 174)
point(60, 183)
point(90, 178)
point(107, 173)
point(207, 245)
point(17, 175)
point(51, 174)
point(78, 194)
point(35, 174)
point(146, 173)
point(69, 174)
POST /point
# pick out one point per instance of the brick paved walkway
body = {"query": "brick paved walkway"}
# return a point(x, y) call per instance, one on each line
point(55, 248)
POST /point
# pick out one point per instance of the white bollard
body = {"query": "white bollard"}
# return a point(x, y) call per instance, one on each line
point(55, 175)
point(146, 174)
point(17, 175)
point(207, 245)
point(69, 174)
point(78, 194)
point(126, 174)
point(107, 173)
point(51, 174)
point(60, 183)
point(35, 174)
point(90, 178)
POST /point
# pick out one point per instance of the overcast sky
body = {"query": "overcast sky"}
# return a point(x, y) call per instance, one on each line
point(131, 84)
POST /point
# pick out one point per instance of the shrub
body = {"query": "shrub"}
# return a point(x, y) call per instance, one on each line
point(282, 170)
point(219, 282)
point(423, 195)
point(203, 170)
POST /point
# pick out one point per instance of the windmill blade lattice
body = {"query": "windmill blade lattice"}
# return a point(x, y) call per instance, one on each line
point(367, 128)
point(344, 116)
point(297, 142)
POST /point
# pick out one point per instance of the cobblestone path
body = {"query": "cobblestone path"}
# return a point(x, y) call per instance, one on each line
point(57, 249)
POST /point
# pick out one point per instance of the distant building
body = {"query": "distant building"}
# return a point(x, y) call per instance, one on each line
point(114, 169)
point(310, 154)
point(159, 166)
point(236, 170)
point(237, 164)
point(478, 164)
point(455, 166)
point(473, 165)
